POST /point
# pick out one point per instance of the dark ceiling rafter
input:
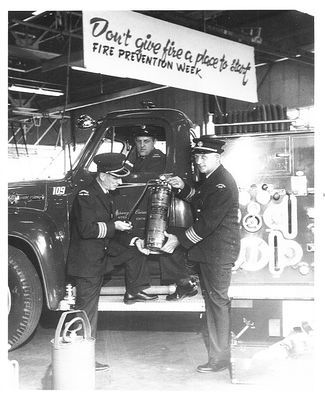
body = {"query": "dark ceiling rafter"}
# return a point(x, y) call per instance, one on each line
point(108, 97)
point(265, 48)
point(48, 29)
point(38, 47)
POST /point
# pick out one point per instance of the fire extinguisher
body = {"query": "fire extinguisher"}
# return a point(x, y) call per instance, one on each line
point(159, 201)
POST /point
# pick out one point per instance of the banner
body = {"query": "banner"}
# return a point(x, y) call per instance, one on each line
point(131, 45)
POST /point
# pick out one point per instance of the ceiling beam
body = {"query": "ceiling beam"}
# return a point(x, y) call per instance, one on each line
point(75, 59)
point(281, 53)
point(106, 98)
point(29, 53)
point(46, 28)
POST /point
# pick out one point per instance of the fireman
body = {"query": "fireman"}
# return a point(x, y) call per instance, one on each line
point(213, 240)
point(148, 158)
point(173, 267)
point(96, 242)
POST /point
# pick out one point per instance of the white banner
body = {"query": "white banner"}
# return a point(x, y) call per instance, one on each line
point(131, 45)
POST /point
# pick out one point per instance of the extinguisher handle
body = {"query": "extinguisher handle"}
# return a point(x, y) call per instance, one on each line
point(84, 320)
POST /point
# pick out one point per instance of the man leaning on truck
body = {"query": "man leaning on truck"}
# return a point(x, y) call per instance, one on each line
point(213, 241)
point(96, 237)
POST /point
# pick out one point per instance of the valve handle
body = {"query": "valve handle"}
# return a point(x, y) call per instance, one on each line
point(85, 323)
point(66, 337)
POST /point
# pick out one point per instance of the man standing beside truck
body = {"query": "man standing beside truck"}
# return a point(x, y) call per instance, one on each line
point(213, 240)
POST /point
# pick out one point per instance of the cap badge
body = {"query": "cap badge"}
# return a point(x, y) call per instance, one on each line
point(200, 144)
point(83, 193)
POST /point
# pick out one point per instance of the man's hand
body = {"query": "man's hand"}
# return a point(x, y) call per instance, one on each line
point(122, 225)
point(171, 244)
point(176, 182)
point(140, 246)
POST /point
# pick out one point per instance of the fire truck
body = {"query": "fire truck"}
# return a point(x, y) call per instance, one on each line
point(274, 171)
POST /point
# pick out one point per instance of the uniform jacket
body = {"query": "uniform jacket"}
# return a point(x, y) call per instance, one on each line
point(154, 162)
point(92, 230)
point(214, 235)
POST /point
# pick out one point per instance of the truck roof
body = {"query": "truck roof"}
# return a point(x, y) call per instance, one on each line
point(169, 114)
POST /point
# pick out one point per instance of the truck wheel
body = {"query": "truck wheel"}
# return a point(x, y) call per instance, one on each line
point(25, 297)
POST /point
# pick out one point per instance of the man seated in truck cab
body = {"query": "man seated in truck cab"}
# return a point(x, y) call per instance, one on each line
point(148, 158)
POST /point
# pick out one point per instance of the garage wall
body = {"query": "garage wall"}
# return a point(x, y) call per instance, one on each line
point(288, 83)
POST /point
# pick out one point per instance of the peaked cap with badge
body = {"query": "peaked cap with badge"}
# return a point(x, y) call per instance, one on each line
point(112, 163)
point(143, 131)
point(208, 144)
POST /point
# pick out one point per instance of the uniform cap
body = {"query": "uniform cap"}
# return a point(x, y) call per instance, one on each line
point(111, 163)
point(208, 144)
point(143, 131)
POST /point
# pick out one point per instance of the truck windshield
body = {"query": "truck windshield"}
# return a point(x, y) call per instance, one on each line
point(43, 162)
point(132, 140)
point(47, 162)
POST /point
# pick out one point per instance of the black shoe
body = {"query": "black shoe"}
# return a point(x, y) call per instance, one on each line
point(181, 292)
point(141, 296)
point(101, 367)
point(214, 367)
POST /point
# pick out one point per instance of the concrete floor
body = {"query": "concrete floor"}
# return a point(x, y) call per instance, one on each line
point(146, 352)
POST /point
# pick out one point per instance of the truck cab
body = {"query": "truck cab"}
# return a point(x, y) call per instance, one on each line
point(38, 224)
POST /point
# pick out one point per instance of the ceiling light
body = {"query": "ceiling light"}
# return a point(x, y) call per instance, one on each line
point(281, 59)
point(36, 90)
point(83, 69)
point(38, 12)
point(34, 14)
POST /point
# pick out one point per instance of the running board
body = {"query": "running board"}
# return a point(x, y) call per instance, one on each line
point(189, 304)
point(111, 298)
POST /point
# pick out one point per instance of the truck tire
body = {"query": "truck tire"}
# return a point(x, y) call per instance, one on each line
point(25, 298)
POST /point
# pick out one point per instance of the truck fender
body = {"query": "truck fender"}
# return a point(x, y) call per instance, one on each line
point(35, 232)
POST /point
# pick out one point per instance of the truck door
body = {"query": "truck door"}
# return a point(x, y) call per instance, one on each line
point(120, 138)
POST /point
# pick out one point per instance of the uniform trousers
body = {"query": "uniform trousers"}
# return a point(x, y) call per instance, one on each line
point(215, 280)
point(173, 267)
point(137, 278)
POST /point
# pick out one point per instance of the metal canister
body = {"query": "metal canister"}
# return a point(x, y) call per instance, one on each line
point(157, 217)
point(73, 355)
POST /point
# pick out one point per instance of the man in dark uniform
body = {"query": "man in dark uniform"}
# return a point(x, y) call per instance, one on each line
point(148, 158)
point(173, 267)
point(97, 242)
point(213, 240)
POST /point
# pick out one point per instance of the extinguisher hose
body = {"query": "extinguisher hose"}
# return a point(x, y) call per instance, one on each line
point(135, 205)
